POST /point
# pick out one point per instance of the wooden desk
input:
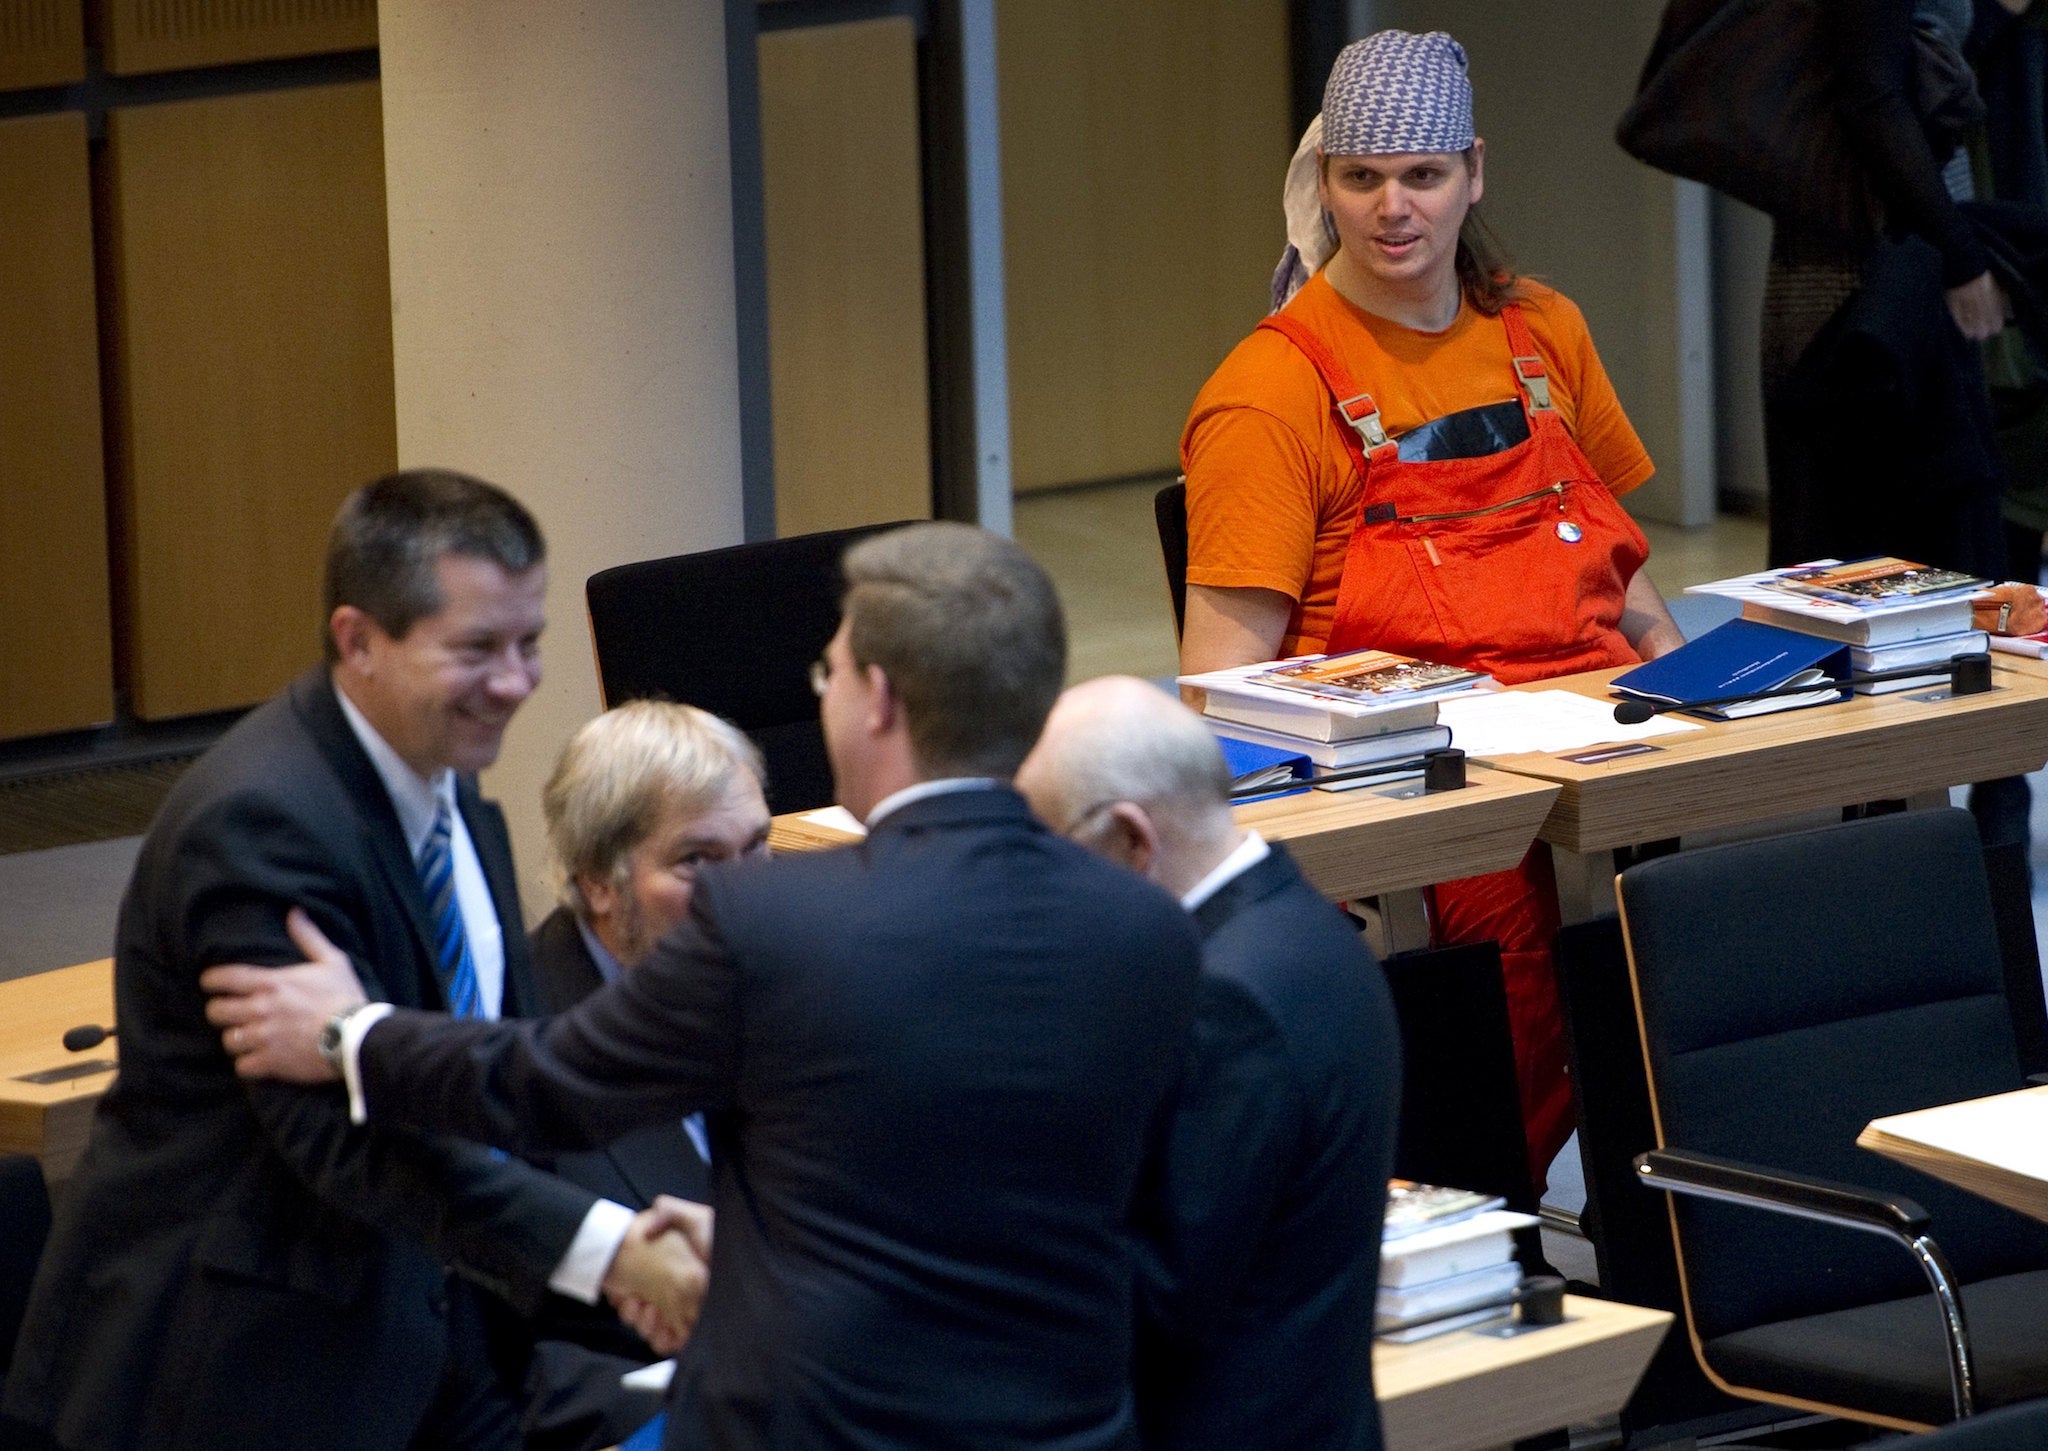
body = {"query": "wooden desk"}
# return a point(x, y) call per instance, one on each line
point(1359, 843)
point(1742, 773)
point(1992, 1146)
point(1464, 1391)
point(52, 1120)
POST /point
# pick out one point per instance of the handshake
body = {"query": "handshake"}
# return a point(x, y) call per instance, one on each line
point(658, 1277)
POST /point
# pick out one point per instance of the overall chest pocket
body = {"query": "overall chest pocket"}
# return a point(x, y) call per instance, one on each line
point(1526, 583)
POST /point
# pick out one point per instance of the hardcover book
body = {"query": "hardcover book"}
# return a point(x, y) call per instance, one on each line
point(1740, 656)
point(1338, 755)
point(1873, 583)
point(1870, 602)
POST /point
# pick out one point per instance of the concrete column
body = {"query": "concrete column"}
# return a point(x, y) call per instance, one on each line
point(560, 204)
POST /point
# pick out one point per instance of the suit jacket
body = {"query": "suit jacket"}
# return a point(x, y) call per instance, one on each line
point(1263, 1230)
point(235, 1264)
point(573, 1395)
point(658, 1159)
point(932, 1063)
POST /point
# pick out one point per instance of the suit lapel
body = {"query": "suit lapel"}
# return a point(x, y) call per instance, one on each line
point(1261, 879)
point(493, 845)
point(313, 693)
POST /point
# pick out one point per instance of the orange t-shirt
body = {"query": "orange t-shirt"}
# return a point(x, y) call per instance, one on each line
point(1273, 495)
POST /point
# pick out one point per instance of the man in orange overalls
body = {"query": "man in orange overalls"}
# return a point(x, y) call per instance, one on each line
point(1419, 452)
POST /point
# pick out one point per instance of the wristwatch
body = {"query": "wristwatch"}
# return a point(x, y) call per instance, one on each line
point(331, 1035)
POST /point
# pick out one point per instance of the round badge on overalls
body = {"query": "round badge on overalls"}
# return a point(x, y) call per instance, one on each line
point(1569, 532)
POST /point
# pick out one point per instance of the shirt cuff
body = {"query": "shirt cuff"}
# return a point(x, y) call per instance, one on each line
point(581, 1273)
point(358, 1023)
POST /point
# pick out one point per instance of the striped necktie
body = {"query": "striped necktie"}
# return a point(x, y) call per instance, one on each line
point(452, 962)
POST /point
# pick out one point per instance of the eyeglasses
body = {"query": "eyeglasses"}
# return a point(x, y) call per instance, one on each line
point(821, 676)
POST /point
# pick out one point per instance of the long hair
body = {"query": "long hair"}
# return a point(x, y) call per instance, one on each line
point(1485, 274)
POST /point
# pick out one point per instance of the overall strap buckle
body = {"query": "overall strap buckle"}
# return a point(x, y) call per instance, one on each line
point(1535, 382)
point(1364, 416)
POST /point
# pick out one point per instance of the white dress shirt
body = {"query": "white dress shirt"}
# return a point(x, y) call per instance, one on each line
point(1248, 854)
point(580, 1273)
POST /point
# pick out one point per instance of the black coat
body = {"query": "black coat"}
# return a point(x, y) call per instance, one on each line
point(1890, 405)
point(932, 1062)
point(235, 1264)
point(1256, 1306)
point(575, 1353)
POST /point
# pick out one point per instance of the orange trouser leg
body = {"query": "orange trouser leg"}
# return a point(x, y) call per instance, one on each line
point(1518, 909)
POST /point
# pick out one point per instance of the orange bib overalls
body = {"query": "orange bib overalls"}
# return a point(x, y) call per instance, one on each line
point(1516, 563)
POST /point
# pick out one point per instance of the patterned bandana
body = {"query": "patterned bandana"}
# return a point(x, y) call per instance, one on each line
point(1388, 94)
point(1396, 92)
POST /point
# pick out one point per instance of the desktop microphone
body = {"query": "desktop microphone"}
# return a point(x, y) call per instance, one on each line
point(89, 1035)
point(1968, 675)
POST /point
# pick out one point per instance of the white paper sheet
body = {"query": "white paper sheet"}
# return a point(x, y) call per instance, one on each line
point(835, 818)
point(1513, 721)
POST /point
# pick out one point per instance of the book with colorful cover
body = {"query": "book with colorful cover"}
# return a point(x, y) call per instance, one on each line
point(1334, 697)
point(1413, 1207)
point(1372, 677)
point(1873, 583)
point(1871, 623)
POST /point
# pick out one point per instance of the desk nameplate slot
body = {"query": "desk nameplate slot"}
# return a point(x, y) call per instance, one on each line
point(82, 1069)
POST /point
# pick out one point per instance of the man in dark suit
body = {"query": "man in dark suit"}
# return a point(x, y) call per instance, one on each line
point(235, 1264)
point(1263, 1238)
point(641, 798)
point(931, 1062)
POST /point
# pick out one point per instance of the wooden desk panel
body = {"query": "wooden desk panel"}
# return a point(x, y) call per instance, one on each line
point(42, 43)
point(52, 1121)
point(1361, 844)
point(1358, 843)
point(56, 631)
point(1463, 1391)
point(253, 378)
point(1735, 773)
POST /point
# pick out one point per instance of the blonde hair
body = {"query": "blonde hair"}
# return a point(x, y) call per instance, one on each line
point(617, 774)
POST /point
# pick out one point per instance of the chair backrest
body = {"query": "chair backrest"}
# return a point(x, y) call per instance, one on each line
point(24, 1225)
point(1170, 513)
point(2012, 1428)
point(1790, 990)
point(732, 631)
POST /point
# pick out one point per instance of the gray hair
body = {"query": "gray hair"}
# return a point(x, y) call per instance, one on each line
point(1124, 739)
point(619, 772)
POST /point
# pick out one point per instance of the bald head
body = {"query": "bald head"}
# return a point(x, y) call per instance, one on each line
point(1127, 770)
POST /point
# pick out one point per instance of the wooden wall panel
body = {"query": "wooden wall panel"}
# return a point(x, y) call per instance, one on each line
point(1144, 143)
point(252, 342)
point(42, 43)
point(845, 233)
point(56, 651)
point(162, 35)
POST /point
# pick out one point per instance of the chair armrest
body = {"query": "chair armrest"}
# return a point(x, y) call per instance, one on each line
point(1709, 1176)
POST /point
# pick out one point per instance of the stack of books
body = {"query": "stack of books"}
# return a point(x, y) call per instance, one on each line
point(1892, 613)
point(1445, 1253)
point(1335, 712)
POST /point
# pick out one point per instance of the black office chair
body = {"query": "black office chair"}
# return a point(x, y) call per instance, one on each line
point(1170, 513)
point(2015, 1428)
point(733, 631)
point(1789, 991)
